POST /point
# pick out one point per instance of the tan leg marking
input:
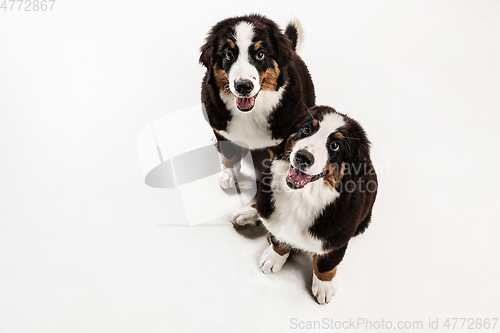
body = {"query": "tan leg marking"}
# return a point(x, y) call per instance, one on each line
point(281, 250)
point(230, 163)
point(325, 276)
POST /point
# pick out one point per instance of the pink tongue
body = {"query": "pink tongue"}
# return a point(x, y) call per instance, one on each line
point(245, 103)
point(296, 176)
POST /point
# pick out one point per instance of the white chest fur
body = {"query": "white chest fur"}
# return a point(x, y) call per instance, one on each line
point(252, 128)
point(296, 210)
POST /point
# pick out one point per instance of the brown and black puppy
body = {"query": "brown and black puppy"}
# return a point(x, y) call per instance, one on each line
point(317, 194)
point(255, 87)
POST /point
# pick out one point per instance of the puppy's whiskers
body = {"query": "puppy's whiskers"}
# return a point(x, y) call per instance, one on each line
point(309, 112)
point(347, 143)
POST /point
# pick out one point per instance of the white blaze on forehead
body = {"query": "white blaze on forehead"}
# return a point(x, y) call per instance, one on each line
point(244, 34)
point(242, 69)
point(316, 143)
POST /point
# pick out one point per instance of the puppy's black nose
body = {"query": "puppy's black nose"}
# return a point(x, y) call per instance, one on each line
point(304, 159)
point(244, 87)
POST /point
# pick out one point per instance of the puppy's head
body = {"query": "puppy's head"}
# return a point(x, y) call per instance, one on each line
point(326, 145)
point(244, 55)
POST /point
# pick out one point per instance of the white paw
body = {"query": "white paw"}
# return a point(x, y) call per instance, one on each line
point(323, 290)
point(244, 216)
point(227, 177)
point(270, 261)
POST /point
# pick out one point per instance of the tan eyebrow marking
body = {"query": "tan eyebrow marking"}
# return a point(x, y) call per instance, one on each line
point(315, 122)
point(338, 135)
point(257, 45)
point(231, 44)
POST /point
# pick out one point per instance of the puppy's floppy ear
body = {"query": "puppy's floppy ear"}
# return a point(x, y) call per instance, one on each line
point(360, 150)
point(363, 158)
point(207, 57)
point(207, 52)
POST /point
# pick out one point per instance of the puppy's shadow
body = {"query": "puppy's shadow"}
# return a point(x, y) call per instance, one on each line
point(251, 231)
point(298, 264)
point(301, 263)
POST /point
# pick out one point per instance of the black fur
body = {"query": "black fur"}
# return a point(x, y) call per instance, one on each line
point(328, 261)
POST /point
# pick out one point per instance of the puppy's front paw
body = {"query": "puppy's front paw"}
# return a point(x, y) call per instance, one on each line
point(270, 261)
point(227, 177)
point(323, 290)
point(244, 216)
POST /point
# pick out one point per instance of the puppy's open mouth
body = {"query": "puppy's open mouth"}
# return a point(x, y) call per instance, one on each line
point(296, 179)
point(245, 104)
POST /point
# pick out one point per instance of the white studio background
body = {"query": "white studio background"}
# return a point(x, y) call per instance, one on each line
point(86, 246)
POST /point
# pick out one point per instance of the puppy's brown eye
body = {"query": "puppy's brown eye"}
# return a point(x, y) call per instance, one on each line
point(306, 130)
point(334, 146)
point(229, 55)
point(260, 55)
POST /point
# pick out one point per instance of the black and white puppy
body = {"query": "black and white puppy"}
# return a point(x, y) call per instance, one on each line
point(317, 194)
point(255, 86)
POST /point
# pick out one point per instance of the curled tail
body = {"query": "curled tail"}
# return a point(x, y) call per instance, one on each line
point(292, 32)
